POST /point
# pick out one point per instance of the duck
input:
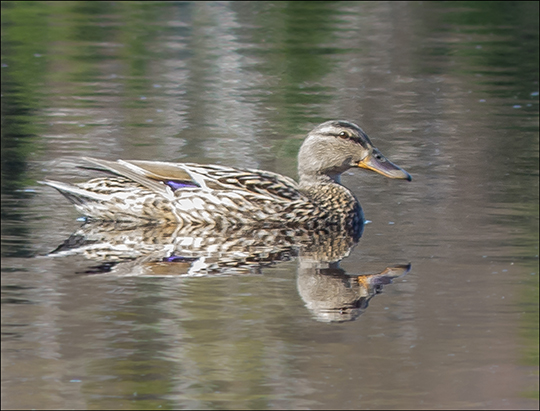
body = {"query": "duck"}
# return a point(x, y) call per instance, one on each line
point(184, 194)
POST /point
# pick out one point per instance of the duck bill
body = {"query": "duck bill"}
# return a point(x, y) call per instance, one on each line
point(380, 164)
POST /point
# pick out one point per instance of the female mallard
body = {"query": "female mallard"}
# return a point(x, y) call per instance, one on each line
point(184, 193)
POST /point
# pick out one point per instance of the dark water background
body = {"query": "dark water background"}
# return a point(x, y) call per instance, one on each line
point(447, 90)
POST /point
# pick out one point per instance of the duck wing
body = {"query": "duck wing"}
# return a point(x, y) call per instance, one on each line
point(166, 178)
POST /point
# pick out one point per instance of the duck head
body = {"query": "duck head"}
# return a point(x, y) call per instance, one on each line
point(337, 145)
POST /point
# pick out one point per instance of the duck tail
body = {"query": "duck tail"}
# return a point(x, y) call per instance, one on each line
point(76, 195)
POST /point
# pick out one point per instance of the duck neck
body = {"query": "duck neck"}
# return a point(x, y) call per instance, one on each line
point(309, 180)
point(337, 201)
point(327, 192)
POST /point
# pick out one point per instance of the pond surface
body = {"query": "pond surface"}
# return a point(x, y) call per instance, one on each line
point(271, 320)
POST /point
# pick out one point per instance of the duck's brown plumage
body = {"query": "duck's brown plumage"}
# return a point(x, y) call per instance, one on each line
point(184, 193)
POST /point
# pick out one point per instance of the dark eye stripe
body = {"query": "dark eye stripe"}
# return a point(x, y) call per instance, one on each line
point(361, 139)
point(355, 139)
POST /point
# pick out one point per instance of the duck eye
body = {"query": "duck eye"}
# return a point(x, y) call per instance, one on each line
point(378, 156)
point(344, 134)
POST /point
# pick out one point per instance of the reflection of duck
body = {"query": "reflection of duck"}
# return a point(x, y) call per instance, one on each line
point(196, 250)
point(191, 194)
point(334, 296)
point(124, 249)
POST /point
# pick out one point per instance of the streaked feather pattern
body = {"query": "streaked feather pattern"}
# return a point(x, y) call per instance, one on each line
point(221, 196)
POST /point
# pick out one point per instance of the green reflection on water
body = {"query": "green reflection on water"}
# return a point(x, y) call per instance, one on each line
point(23, 66)
point(24, 49)
point(506, 61)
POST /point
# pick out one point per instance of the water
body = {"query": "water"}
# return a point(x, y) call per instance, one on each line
point(448, 91)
